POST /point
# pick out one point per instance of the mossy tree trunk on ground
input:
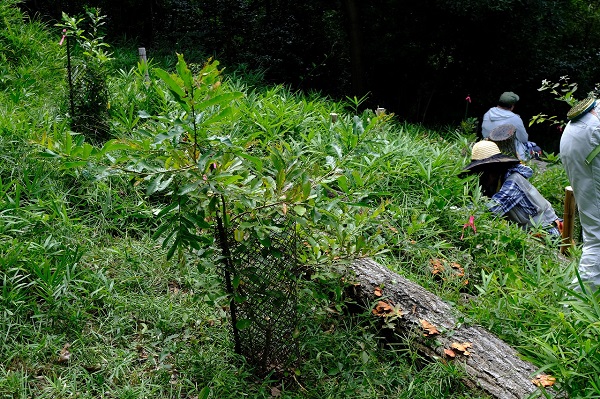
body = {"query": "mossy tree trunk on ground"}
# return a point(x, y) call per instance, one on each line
point(490, 364)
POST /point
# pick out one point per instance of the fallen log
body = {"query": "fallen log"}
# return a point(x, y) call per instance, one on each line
point(490, 364)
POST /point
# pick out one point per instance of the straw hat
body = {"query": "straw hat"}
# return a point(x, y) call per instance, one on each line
point(581, 108)
point(486, 153)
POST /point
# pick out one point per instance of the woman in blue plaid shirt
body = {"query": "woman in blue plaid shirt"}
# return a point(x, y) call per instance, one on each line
point(505, 180)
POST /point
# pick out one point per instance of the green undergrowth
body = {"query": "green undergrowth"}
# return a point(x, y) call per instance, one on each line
point(93, 305)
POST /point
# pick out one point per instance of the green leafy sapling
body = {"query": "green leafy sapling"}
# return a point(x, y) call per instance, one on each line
point(199, 173)
point(564, 91)
point(88, 68)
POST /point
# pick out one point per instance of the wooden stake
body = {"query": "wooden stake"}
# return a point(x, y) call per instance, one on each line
point(144, 61)
point(568, 220)
point(70, 74)
point(334, 117)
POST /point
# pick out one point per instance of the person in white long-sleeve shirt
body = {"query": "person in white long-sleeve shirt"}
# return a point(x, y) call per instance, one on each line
point(503, 114)
point(579, 149)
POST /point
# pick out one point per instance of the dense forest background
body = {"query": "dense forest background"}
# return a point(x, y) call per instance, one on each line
point(419, 59)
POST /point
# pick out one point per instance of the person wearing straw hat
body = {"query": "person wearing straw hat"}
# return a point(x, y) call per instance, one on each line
point(579, 148)
point(505, 180)
point(503, 114)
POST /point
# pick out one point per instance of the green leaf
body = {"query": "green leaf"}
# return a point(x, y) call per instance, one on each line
point(255, 160)
point(165, 183)
point(235, 281)
point(213, 204)
point(312, 241)
point(48, 154)
point(276, 253)
point(280, 178)
point(171, 84)
point(300, 210)
point(306, 189)
point(360, 243)
point(379, 210)
point(153, 186)
point(176, 131)
point(68, 143)
point(364, 357)
point(88, 150)
point(222, 139)
point(357, 178)
point(220, 99)
point(224, 113)
point(343, 183)
point(227, 179)
point(198, 219)
point(238, 235)
point(184, 73)
point(167, 209)
point(74, 164)
point(337, 149)
point(265, 241)
point(114, 145)
point(204, 393)
point(167, 239)
point(189, 187)
point(159, 232)
point(171, 251)
point(277, 160)
point(242, 324)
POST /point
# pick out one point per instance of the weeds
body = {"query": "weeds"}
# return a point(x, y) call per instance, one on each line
point(78, 264)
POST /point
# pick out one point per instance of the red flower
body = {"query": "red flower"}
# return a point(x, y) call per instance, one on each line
point(63, 37)
point(471, 224)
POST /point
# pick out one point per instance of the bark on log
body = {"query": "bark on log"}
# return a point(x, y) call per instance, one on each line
point(492, 366)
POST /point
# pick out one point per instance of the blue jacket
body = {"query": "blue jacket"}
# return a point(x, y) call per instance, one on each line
point(497, 116)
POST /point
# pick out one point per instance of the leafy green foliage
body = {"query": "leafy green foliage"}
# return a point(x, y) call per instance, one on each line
point(79, 266)
point(88, 67)
point(571, 347)
point(189, 155)
point(564, 92)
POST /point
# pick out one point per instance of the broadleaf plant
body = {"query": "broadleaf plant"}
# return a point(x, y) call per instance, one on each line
point(200, 161)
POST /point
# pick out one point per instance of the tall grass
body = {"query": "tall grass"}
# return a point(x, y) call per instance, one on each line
point(78, 266)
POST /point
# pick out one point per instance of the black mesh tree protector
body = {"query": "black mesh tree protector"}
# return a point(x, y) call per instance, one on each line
point(88, 97)
point(261, 278)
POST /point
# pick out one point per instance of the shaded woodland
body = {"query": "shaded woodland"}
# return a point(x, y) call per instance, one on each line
point(418, 59)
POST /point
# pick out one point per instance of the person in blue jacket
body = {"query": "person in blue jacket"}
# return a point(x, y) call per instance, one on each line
point(503, 114)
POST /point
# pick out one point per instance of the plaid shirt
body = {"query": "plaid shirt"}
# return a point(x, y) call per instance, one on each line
point(511, 195)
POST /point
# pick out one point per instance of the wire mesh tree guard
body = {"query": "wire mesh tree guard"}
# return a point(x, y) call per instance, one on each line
point(262, 283)
point(88, 96)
